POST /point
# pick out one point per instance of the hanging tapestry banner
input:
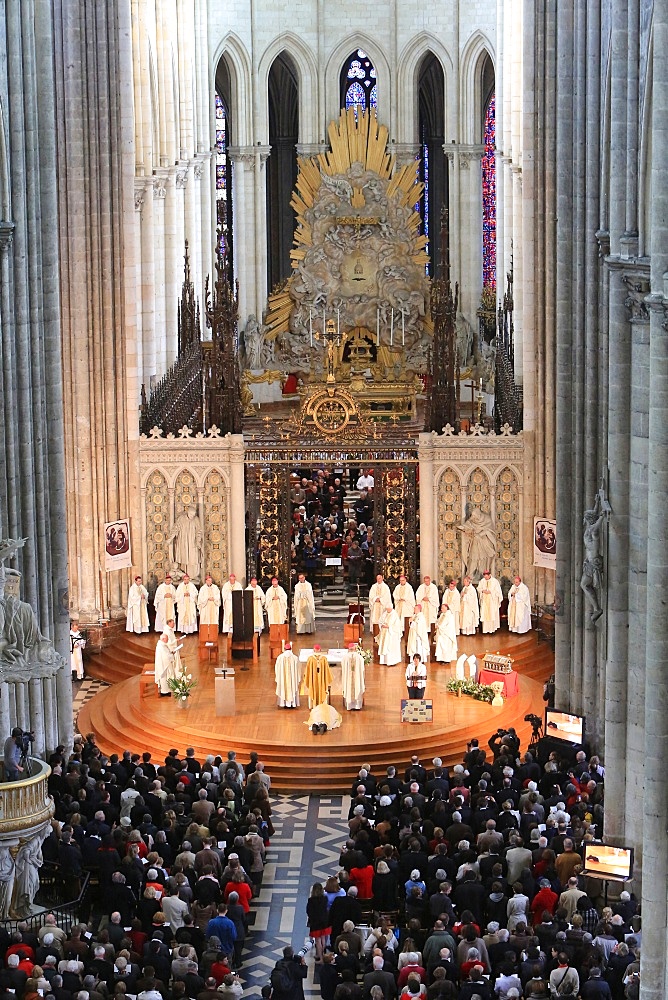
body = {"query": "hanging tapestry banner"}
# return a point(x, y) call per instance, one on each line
point(117, 553)
point(544, 543)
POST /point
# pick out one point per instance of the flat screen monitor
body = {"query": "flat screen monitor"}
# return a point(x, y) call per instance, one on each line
point(608, 862)
point(562, 726)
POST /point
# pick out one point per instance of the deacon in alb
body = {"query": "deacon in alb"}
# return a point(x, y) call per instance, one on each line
point(208, 602)
point(77, 643)
point(288, 676)
point(446, 636)
point(389, 637)
point(352, 678)
point(137, 618)
point(164, 601)
point(258, 604)
point(469, 611)
point(519, 607)
point(226, 597)
point(418, 635)
point(490, 594)
point(276, 603)
point(304, 606)
point(164, 664)
point(452, 599)
point(427, 596)
point(379, 598)
point(404, 600)
point(186, 603)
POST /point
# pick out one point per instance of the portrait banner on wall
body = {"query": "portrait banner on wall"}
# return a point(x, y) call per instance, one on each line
point(117, 552)
point(545, 543)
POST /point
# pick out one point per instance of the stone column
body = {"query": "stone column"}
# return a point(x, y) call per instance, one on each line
point(428, 528)
point(260, 191)
point(245, 270)
point(236, 516)
point(173, 266)
point(146, 279)
point(470, 199)
point(451, 151)
point(159, 263)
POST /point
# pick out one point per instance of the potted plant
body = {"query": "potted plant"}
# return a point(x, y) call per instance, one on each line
point(181, 685)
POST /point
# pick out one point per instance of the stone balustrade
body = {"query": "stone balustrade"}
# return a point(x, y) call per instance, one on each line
point(26, 809)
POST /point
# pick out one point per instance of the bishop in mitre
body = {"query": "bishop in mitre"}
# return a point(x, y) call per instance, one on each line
point(352, 678)
point(164, 602)
point(317, 678)
point(208, 602)
point(258, 604)
point(379, 598)
point(427, 596)
point(186, 603)
point(469, 613)
point(287, 673)
point(304, 606)
point(389, 637)
point(519, 607)
point(446, 636)
point(228, 588)
point(418, 635)
point(137, 617)
point(490, 594)
point(164, 664)
point(452, 599)
point(276, 603)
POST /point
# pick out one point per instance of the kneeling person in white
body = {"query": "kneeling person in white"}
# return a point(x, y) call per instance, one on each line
point(519, 607)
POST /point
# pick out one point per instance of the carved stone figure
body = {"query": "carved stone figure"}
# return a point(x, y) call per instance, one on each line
point(254, 342)
point(26, 882)
point(23, 648)
point(6, 882)
point(464, 341)
point(478, 543)
point(187, 536)
point(592, 564)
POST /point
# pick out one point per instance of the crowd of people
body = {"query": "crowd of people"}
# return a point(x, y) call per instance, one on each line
point(468, 883)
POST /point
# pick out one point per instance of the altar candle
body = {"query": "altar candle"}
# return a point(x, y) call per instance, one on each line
point(392, 329)
point(403, 330)
point(324, 324)
point(377, 327)
point(338, 324)
point(310, 326)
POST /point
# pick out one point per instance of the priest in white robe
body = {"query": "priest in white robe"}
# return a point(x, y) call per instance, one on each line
point(230, 585)
point(186, 603)
point(452, 599)
point(418, 635)
point(389, 638)
point(208, 602)
point(288, 677)
point(164, 602)
point(276, 603)
point(379, 598)
point(304, 606)
point(446, 636)
point(258, 605)
point(519, 607)
point(164, 664)
point(490, 595)
point(427, 596)
point(137, 617)
point(77, 643)
point(352, 678)
point(404, 601)
point(469, 612)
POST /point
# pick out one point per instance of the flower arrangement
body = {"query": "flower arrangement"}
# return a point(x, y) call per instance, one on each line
point(182, 683)
point(364, 653)
point(481, 692)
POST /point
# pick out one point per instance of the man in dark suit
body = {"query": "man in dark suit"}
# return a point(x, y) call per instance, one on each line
point(380, 978)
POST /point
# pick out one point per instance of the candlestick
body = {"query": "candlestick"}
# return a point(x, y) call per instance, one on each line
point(377, 327)
point(403, 330)
point(310, 326)
point(338, 324)
point(324, 324)
point(392, 329)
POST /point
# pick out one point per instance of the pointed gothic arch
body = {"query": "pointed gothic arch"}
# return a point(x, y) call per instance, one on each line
point(238, 66)
point(306, 72)
point(384, 79)
point(283, 102)
point(408, 70)
point(474, 81)
point(433, 172)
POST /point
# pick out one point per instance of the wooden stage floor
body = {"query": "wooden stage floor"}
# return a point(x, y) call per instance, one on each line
point(295, 758)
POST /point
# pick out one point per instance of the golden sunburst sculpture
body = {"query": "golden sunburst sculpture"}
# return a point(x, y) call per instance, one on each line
point(358, 257)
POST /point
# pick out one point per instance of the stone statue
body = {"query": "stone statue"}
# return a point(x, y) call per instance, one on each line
point(23, 648)
point(478, 543)
point(188, 537)
point(26, 881)
point(592, 564)
point(464, 341)
point(7, 873)
point(254, 342)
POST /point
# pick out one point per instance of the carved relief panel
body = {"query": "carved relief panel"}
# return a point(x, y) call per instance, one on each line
point(507, 526)
point(449, 505)
point(215, 520)
point(157, 524)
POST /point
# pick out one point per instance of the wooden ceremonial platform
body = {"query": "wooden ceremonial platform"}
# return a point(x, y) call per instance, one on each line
point(295, 759)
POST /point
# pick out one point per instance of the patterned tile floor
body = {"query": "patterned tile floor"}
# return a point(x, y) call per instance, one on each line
point(305, 849)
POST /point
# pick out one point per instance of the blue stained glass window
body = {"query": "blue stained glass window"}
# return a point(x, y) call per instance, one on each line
point(355, 95)
point(489, 197)
point(222, 187)
point(358, 82)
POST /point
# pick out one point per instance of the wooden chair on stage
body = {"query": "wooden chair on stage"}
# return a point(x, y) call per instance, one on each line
point(353, 630)
point(208, 643)
point(146, 679)
point(278, 634)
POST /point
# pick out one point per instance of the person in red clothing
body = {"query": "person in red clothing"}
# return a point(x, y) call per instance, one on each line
point(411, 967)
point(18, 945)
point(362, 877)
point(545, 899)
point(242, 888)
point(220, 968)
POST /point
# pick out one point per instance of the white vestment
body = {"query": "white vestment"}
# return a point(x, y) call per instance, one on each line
point(452, 599)
point(417, 677)
point(137, 618)
point(324, 713)
point(427, 596)
point(258, 607)
point(418, 636)
point(304, 607)
point(389, 639)
point(490, 594)
point(379, 598)
point(77, 643)
point(226, 598)
point(519, 608)
point(352, 679)
point(288, 676)
point(276, 603)
point(404, 600)
point(164, 666)
point(186, 603)
point(446, 637)
point(164, 602)
point(208, 602)
point(469, 613)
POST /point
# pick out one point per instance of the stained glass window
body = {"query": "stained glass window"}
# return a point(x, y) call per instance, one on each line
point(358, 82)
point(222, 174)
point(489, 197)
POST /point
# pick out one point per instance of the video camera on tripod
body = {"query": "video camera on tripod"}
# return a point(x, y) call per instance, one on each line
point(24, 740)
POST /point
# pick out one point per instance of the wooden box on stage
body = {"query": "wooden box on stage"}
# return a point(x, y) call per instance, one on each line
point(208, 642)
point(351, 633)
point(278, 634)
